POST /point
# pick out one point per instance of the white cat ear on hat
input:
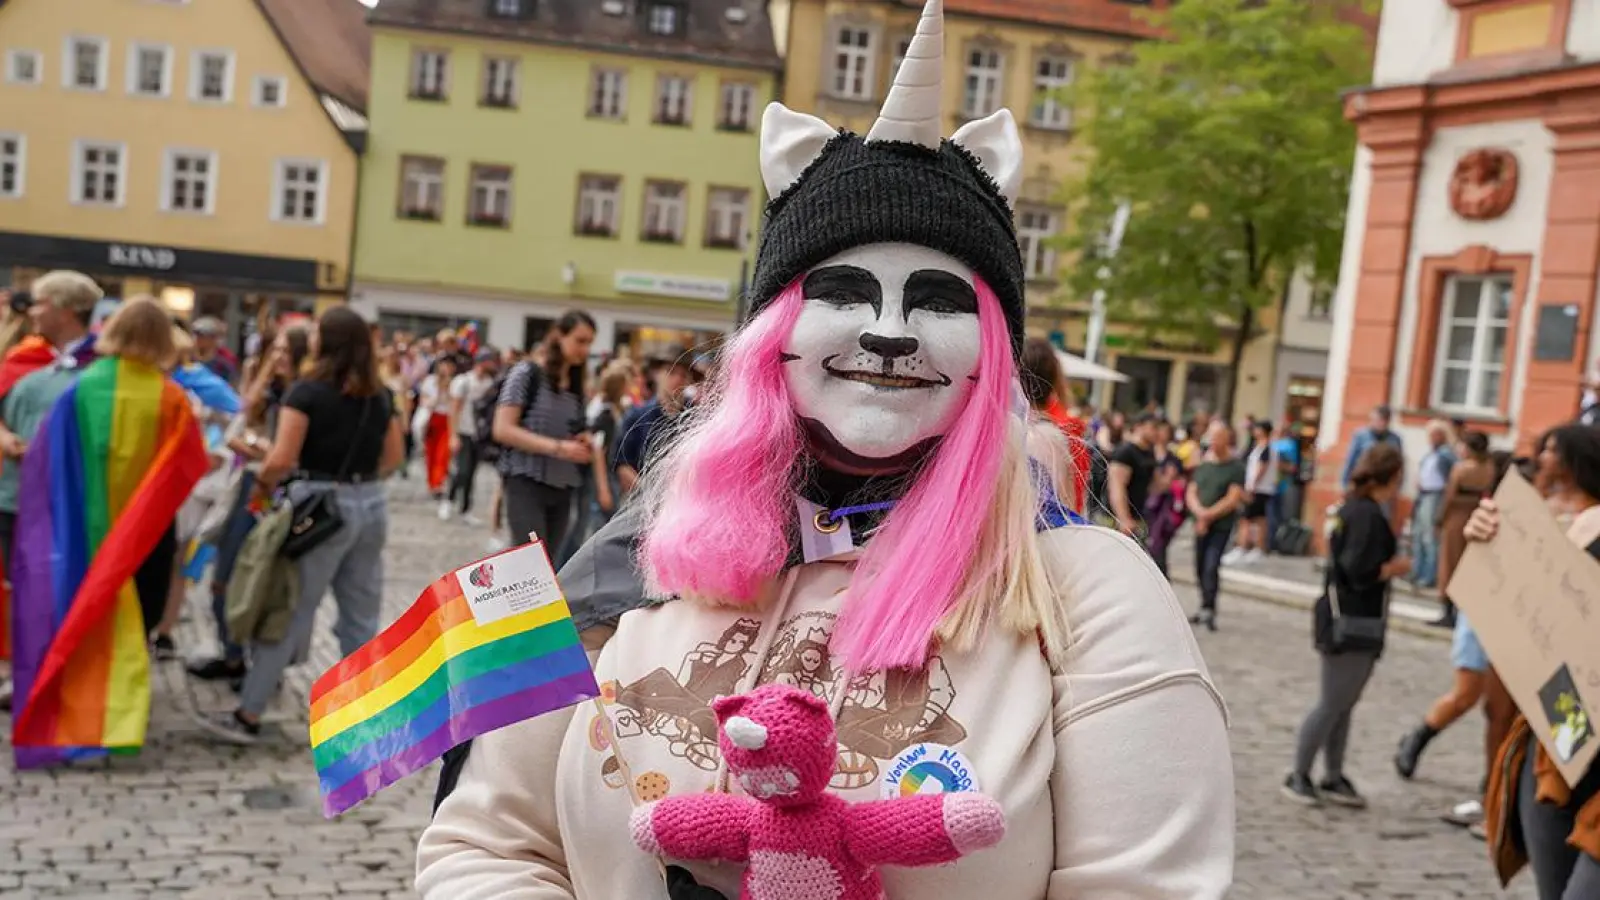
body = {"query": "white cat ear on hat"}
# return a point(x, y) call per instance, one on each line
point(994, 141)
point(791, 141)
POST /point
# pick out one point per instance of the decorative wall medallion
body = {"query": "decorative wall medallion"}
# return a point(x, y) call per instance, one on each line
point(1484, 184)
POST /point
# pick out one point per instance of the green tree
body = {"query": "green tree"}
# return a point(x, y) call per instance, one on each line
point(1229, 143)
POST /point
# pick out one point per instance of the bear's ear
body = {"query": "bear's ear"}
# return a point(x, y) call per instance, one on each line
point(809, 701)
point(726, 707)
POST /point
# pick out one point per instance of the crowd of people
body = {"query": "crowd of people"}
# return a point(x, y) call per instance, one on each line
point(308, 423)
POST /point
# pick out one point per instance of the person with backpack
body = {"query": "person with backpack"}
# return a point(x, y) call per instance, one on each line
point(469, 391)
point(539, 426)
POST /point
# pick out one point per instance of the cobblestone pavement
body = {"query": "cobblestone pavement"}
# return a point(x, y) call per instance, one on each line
point(189, 818)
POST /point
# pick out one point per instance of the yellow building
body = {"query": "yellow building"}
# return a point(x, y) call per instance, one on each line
point(532, 157)
point(201, 150)
point(840, 57)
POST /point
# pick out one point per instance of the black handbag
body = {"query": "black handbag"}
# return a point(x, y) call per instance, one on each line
point(317, 516)
point(1348, 634)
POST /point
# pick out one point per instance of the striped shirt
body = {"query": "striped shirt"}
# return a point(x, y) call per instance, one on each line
point(552, 413)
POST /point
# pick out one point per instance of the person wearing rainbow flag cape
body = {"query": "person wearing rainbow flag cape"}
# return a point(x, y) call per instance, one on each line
point(850, 509)
point(89, 515)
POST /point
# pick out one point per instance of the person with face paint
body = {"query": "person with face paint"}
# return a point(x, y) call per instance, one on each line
point(850, 506)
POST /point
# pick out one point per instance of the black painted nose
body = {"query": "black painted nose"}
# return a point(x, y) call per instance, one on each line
point(888, 347)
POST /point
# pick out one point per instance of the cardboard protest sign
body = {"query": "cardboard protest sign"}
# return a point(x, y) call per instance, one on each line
point(1533, 597)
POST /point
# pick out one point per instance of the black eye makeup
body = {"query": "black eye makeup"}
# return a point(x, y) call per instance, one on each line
point(942, 293)
point(844, 286)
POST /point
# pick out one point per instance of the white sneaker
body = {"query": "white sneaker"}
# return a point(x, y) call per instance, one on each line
point(471, 519)
point(1252, 555)
point(1232, 557)
point(444, 510)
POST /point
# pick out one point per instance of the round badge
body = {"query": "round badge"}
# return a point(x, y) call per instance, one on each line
point(929, 769)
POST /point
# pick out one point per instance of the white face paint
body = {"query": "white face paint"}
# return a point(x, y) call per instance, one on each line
point(883, 355)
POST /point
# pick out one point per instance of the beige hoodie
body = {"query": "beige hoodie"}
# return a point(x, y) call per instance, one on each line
point(1115, 775)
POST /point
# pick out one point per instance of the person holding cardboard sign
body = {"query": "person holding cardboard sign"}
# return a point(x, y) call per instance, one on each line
point(1559, 832)
point(1350, 624)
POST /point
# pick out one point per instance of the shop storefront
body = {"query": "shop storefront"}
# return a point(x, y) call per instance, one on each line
point(242, 290)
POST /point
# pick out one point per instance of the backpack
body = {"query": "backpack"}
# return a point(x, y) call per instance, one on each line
point(483, 411)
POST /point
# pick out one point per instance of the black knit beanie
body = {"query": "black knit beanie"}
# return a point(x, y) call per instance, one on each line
point(857, 193)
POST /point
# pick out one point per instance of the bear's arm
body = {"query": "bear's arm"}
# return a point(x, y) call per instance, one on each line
point(698, 826)
point(922, 830)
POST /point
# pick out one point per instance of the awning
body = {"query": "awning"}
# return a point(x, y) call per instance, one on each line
point(1080, 368)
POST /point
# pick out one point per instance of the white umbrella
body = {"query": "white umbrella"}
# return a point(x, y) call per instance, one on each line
point(1080, 368)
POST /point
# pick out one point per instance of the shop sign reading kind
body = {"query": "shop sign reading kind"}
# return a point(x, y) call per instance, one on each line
point(138, 256)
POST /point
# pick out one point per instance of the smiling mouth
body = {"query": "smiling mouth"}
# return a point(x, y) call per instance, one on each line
point(878, 379)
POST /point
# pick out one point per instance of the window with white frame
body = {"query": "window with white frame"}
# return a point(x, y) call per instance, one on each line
point(430, 70)
point(608, 95)
point(738, 106)
point(664, 211)
point(271, 91)
point(508, 9)
point(499, 82)
point(674, 97)
point(421, 188)
point(1050, 108)
point(98, 172)
point(301, 191)
point(86, 63)
point(727, 211)
point(599, 205)
point(1035, 228)
point(211, 76)
point(1472, 346)
point(665, 18)
point(852, 63)
point(24, 67)
point(901, 48)
point(13, 164)
point(490, 202)
point(984, 75)
point(149, 70)
point(190, 182)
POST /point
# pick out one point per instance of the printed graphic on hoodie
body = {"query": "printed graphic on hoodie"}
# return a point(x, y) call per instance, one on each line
point(881, 714)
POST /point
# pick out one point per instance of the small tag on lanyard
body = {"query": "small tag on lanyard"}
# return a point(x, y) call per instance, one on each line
point(820, 537)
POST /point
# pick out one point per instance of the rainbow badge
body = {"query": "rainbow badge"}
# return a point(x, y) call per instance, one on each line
point(483, 647)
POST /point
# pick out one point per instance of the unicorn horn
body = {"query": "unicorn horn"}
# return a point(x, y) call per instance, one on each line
point(911, 111)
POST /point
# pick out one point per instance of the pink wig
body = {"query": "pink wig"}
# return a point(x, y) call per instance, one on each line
point(918, 564)
point(722, 505)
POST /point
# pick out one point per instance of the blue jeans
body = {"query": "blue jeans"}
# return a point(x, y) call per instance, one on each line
point(350, 561)
point(1425, 537)
point(1208, 550)
point(240, 523)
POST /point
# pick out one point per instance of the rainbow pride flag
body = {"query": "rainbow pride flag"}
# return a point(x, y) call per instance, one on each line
point(483, 647)
point(87, 518)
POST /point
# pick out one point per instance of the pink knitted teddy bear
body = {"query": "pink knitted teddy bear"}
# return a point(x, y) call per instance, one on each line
point(799, 841)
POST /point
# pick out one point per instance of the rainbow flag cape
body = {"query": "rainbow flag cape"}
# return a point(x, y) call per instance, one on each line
point(483, 647)
point(87, 519)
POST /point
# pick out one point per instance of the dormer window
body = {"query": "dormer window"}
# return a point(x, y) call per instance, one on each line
point(509, 9)
point(665, 19)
